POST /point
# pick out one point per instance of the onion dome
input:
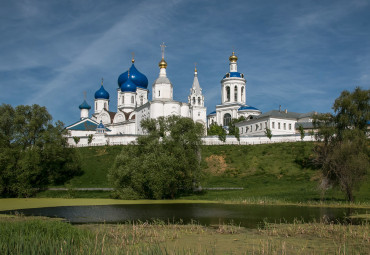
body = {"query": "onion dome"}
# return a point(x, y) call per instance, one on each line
point(136, 77)
point(101, 93)
point(162, 64)
point(128, 86)
point(233, 58)
point(84, 105)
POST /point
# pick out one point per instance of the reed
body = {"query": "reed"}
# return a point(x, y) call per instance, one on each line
point(35, 235)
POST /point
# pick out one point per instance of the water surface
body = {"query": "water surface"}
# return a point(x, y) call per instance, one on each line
point(206, 214)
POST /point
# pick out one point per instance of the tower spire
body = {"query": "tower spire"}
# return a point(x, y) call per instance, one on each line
point(162, 63)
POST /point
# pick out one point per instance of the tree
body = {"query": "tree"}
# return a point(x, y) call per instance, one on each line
point(33, 151)
point(215, 129)
point(268, 133)
point(343, 153)
point(90, 138)
point(301, 132)
point(161, 164)
point(76, 139)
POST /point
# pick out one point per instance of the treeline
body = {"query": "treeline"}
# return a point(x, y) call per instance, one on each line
point(33, 152)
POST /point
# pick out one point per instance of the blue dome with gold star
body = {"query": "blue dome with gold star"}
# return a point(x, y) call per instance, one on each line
point(128, 86)
point(101, 93)
point(136, 77)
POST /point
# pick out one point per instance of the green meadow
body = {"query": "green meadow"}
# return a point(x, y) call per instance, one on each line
point(38, 235)
point(280, 172)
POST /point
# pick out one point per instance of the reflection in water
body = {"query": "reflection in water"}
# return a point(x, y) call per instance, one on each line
point(207, 214)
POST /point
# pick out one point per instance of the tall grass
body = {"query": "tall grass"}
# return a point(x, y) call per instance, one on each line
point(23, 235)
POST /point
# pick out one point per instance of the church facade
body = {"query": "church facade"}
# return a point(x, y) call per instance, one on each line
point(233, 97)
point(122, 126)
point(133, 105)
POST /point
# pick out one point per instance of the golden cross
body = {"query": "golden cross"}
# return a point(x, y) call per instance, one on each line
point(102, 80)
point(163, 46)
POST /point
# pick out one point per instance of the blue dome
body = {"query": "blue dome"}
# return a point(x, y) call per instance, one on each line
point(138, 78)
point(246, 107)
point(85, 105)
point(234, 74)
point(101, 93)
point(101, 125)
point(128, 86)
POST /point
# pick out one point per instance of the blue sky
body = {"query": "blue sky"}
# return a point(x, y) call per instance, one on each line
point(297, 54)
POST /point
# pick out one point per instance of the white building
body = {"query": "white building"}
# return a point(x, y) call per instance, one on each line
point(279, 122)
point(233, 97)
point(133, 106)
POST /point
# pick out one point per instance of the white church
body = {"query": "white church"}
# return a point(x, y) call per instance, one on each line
point(133, 105)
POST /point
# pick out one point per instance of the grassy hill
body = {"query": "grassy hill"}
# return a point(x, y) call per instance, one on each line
point(269, 171)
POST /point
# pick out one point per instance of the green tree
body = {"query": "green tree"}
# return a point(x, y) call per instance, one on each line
point(268, 133)
point(76, 139)
point(343, 153)
point(33, 151)
point(90, 138)
point(161, 164)
point(301, 132)
point(215, 129)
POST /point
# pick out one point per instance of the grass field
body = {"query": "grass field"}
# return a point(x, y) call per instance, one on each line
point(35, 235)
point(267, 172)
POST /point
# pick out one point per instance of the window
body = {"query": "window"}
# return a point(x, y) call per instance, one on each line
point(235, 93)
point(227, 119)
point(266, 125)
point(193, 100)
point(132, 99)
point(105, 105)
point(278, 125)
point(198, 113)
point(227, 94)
point(123, 99)
point(141, 100)
point(242, 130)
point(256, 127)
point(273, 124)
point(242, 93)
point(159, 93)
point(198, 100)
point(261, 126)
point(290, 126)
point(284, 126)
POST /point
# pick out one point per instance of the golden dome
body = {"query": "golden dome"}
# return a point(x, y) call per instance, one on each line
point(162, 64)
point(233, 58)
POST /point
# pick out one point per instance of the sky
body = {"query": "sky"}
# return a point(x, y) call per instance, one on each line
point(297, 54)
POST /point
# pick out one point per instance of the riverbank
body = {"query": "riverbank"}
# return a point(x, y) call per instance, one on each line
point(275, 172)
point(26, 203)
point(37, 235)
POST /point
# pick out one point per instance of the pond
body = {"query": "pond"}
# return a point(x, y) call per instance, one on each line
point(249, 216)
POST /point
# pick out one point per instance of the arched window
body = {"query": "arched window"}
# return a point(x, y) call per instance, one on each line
point(236, 93)
point(193, 100)
point(227, 94)
point(227, 119)
point(242, 93)
point(199, 100)
point(123, 99)
point(105, 105)
point(159, 93)
point(132, 99)
point(141, 100)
